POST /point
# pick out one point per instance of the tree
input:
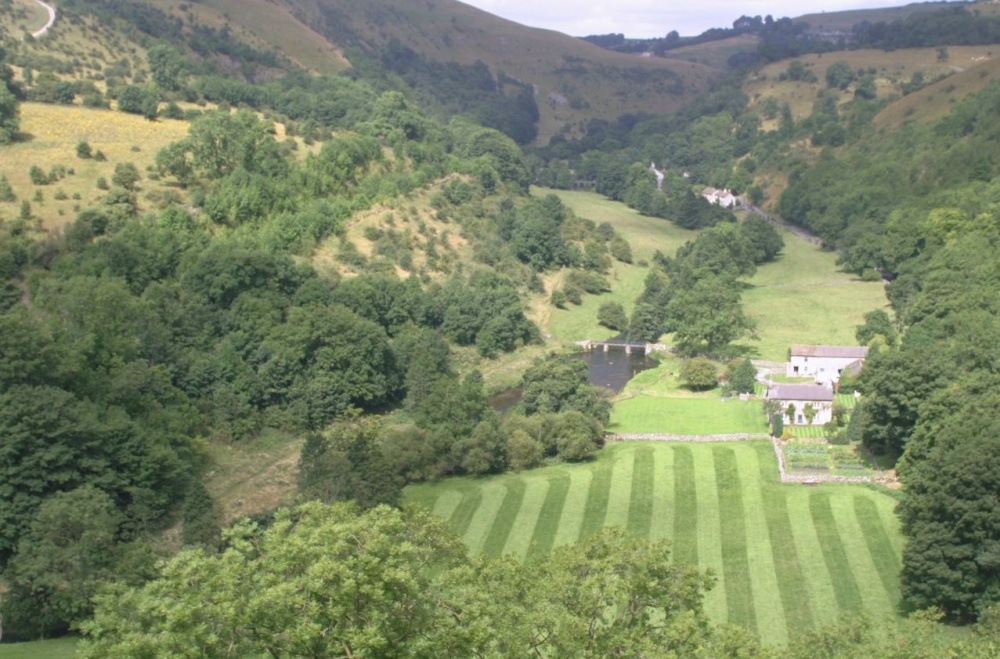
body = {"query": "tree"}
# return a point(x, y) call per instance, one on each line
point(611, 314)
point(708, 316)
point(741, 376)
point(328, 581)
point(10, 115)
point(839, 74)
point(320, 581)
point(138, 100)
point(809, 412)
point(790, 413)
point(346, 464)
point(646, 324)
point(699, 373)
point(126, 176)
point(765, 241)
point(69, 551)
point(877, 323)
point(777, 425)
point(166, 66)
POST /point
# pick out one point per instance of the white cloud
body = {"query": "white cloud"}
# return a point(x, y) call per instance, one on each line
point(654, 18)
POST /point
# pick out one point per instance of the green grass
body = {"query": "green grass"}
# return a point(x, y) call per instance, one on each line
point(60, 648)
point(646, 235)
point(787, 557)
point(684, 416)
point(803, 298)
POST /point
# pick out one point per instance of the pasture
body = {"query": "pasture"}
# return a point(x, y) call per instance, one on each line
point(802, 297)
point(787, 557)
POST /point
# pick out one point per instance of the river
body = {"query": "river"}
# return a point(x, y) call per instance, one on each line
point(611, 370)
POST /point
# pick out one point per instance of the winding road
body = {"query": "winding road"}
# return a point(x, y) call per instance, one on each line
point(52, 19)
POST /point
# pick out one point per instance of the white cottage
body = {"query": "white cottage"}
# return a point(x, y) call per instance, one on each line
point(720, 197)
point(825, 364)
point(798, 401)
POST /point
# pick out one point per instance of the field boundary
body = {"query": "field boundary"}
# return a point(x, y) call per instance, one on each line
point(667, 437)
point(785, 476)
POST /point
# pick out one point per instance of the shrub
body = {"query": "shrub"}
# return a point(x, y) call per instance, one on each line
point(99, 156)
point(699, 373)
point(83, 150)
point(102, 183)
point(38, 175)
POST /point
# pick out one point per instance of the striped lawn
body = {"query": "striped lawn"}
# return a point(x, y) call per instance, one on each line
point(786, 557)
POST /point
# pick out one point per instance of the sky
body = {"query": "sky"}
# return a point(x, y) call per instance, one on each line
point(654, 18)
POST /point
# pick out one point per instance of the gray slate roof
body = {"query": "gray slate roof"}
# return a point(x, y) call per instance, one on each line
point(843, 352)
point(815, 392)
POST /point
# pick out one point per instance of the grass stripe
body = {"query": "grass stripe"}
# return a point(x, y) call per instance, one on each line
point(446, 504)
point(523, 530)
point(571, 520)
point(822, 598)
point(492, 495)
point(834, 555)
point(544, 536)
point(662, 522)
point(884, 557)
point(504, 520)
point(640, 512)
point(597, 499)
point(769, 613)
point(873, 595)
point(620, 489)
point(710, 530)
point(732, 531)
point(462, 516)
point(792, 587)
point(686, 516)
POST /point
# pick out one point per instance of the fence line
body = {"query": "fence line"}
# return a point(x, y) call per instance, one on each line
point(806, 479)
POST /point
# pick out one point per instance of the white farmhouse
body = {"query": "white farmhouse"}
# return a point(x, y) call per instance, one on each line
point(797, 402)
point(722, 197)
point(825, 364)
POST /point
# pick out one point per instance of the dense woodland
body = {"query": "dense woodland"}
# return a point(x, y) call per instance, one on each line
point(128, 341)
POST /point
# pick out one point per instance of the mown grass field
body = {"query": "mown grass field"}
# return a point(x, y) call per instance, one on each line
point(686, 416)
point(60, 648)
point(787, 558)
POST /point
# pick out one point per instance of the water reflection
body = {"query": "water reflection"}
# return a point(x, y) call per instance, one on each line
point(611, 370)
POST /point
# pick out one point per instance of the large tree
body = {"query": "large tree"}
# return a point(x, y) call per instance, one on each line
point(327, 581)
point(708, 316)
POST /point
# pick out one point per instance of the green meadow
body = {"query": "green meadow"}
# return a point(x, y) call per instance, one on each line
point(786, 557)
point(802, 297)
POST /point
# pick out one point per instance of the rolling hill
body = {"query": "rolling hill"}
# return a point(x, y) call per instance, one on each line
point(573, 81)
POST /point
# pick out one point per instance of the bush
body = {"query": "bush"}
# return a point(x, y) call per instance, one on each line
point(699, 374)
point(38, 175)
point(99, 156)
point(777, 425)
point(83, 150)
point(559, 299)
point(612, 315)
point(102, 183)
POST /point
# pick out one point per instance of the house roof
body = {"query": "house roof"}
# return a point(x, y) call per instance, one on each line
point(842, 352)
point(815, 392)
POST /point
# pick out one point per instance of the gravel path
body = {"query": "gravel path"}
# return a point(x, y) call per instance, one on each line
point(52, 19)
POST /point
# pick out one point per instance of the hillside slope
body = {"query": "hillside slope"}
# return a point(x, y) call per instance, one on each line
point(574, 81)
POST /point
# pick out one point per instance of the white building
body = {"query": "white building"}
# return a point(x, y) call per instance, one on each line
point(797, 402)
point(825, 364)
point(723, 197)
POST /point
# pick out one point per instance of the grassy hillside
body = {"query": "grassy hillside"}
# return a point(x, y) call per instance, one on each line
point(574, 80)
point(802, 297)
point(265, 23)
point(845, 20)
point(787, 558)
point(52, 133)
point(892, 69)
